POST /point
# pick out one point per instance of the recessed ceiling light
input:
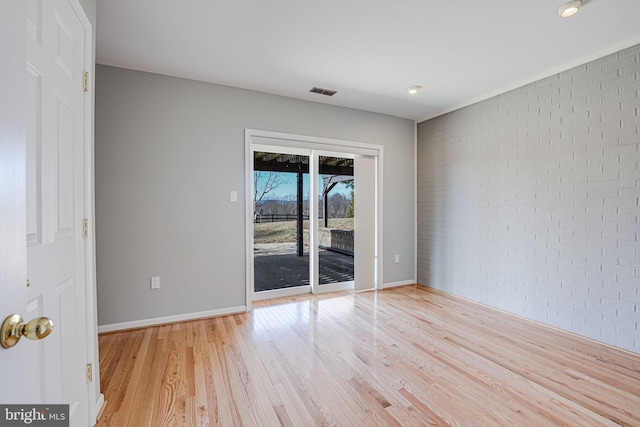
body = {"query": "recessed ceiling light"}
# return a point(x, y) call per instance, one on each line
point(414, 89)
point(570, 8)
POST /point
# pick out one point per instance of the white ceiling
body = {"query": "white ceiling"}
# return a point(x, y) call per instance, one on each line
point(370, 51)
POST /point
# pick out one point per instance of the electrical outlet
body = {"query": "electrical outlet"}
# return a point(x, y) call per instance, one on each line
point(155, 282)
point(397, 259)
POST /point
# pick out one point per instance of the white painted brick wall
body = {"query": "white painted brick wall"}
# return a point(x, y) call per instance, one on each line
point(529, 201)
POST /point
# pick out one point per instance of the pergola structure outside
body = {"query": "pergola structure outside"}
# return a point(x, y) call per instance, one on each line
point(332, 169)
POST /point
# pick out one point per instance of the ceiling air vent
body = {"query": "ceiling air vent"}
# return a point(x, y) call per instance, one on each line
point(321, 91)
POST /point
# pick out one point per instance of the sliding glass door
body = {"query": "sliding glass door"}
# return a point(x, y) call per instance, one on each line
point(314, 218)
point(336, 216)
point(280, 220)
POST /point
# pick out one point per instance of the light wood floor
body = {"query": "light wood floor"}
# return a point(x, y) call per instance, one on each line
point(401, 357)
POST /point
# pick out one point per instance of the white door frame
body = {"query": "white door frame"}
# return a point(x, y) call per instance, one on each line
point(96, 398)
point(262, 137)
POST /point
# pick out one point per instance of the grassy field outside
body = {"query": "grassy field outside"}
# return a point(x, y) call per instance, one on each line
point(283, 232)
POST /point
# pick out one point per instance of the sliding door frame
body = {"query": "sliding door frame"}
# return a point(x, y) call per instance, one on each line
point(255, 137)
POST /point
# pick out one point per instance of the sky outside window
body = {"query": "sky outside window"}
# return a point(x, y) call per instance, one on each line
point(288, 189)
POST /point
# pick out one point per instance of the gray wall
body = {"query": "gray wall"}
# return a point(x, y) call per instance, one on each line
point(89, 7)
point(169, 150)
point(528, 201)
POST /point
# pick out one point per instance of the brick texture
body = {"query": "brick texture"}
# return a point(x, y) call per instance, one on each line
point(529, 201)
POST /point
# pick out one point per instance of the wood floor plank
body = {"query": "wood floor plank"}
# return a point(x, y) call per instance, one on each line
point(408, 356)
point(136, 379)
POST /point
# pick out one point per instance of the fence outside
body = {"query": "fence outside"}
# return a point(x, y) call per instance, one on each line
point(262, 218)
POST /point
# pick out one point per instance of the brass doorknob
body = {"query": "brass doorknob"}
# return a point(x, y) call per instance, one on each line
point(14, 328)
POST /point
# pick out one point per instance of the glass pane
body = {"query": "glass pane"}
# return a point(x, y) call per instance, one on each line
point(280, 221)
point(336, 218)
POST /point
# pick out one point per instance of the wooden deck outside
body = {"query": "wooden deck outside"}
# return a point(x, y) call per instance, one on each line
point(407, 356)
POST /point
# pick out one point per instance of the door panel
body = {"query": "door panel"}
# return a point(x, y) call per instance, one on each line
point(365, 223)
point(34, 155)
point(335, 224)
point(55, 196)
point(281, 196)
point(23, 382)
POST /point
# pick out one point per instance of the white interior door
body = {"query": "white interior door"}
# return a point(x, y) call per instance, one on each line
point(365, 223)
point(20, 373)
point(55, 199)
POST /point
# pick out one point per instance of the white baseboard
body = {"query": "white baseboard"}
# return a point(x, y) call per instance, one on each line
point(170, 319)
point(402, 283)
point(99, 406)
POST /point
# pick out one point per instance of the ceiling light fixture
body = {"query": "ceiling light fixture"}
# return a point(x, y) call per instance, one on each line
point(414, 89)
point(570, 8)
